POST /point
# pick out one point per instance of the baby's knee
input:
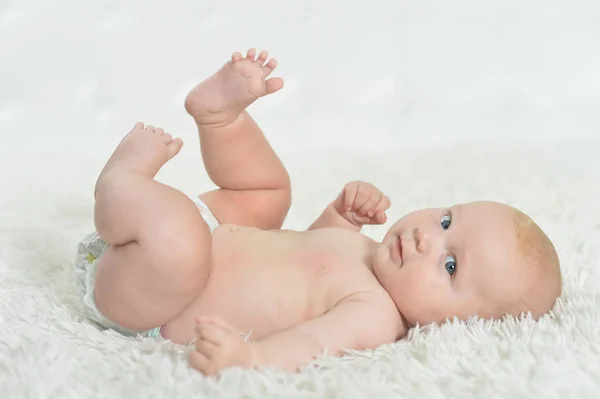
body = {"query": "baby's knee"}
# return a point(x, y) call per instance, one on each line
point(272, 208)
point(281, 205)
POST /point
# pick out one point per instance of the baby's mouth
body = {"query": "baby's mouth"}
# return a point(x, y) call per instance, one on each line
point(397, 250)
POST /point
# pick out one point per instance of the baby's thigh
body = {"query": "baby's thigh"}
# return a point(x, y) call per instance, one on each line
point(265, 209)
point(142, 285)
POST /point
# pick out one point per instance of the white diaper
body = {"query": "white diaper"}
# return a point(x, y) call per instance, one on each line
point(207, 215)
point(89, 251)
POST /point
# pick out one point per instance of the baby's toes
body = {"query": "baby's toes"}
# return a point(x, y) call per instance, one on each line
point(251, 53)
point(166, 137)
point(262, 57)
point(174, 147)
point(272, 85)
point(236, 57)
point(269, 67)
point(138, 127)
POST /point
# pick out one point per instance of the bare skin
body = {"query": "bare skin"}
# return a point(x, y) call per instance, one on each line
point(296, 293)
point(254, 185)
point(165, 269)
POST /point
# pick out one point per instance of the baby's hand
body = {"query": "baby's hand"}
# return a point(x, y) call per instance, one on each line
point(362, 203)
point(219, 346)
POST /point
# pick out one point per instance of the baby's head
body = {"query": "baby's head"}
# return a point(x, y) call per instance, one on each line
point(481, 258)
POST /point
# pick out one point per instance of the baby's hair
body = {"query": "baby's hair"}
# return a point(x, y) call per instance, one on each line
point(536, 246)
point(533, 242)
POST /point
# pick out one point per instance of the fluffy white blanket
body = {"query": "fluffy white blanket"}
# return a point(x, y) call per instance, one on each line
point(48, 350)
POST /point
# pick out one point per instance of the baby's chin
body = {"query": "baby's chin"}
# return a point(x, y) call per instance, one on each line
point(382, 255)
point(384, 267)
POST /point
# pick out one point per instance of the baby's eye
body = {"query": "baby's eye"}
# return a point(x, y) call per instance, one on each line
point(450, 264)
point(446, 221)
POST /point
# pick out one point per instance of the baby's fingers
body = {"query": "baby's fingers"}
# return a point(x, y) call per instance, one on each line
point(206, 348)
point(211, 332)
point(382, 205)
point(201, 363)
point(364, 201)
point(374, 198)
point(223, 324)
point(350, 192)
point(380, 217)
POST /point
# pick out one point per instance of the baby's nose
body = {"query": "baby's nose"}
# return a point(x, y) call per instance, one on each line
point(421, 240)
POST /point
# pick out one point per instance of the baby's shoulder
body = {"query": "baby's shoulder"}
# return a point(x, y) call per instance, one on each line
point(375, 298)
point(375, 315)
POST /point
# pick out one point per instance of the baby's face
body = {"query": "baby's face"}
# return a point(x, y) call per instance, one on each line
point(457, 261)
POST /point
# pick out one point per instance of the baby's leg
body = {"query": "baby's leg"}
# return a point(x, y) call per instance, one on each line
point(158, 261)
point(254, 185)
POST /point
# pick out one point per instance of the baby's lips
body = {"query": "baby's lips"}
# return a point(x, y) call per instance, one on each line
point(396, 250)
point(400, 248)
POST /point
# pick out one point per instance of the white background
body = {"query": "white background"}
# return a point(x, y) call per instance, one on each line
point(380, 82)
point(375, 75)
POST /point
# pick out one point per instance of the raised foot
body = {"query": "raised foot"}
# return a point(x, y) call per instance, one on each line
point(223, 96)
point(145, 149)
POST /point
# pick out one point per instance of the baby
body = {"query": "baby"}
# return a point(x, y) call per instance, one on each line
point(217, 270)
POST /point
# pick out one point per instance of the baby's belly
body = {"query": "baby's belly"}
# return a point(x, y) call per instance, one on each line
point(261, 282)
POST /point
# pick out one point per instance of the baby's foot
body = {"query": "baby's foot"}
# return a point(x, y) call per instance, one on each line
point(221, 98)
point(143, 149)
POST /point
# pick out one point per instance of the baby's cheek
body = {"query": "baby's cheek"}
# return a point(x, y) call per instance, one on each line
point(382, 257)
point(411, 306)
point(410, 287)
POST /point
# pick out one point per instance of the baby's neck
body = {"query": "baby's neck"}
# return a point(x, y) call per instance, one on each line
point(370, 252)
point(370, 249)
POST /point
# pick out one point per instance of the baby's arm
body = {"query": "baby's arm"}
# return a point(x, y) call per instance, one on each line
point(354, 323)
point(331, 217)
point(361, 321)
point(359, 203)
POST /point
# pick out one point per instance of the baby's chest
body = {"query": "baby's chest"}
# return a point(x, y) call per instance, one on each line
point(283, 276)
point(329, 275)
point(307, 278)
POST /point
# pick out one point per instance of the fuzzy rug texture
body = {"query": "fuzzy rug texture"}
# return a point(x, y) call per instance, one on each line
point(435, 102)
point(47, 349)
